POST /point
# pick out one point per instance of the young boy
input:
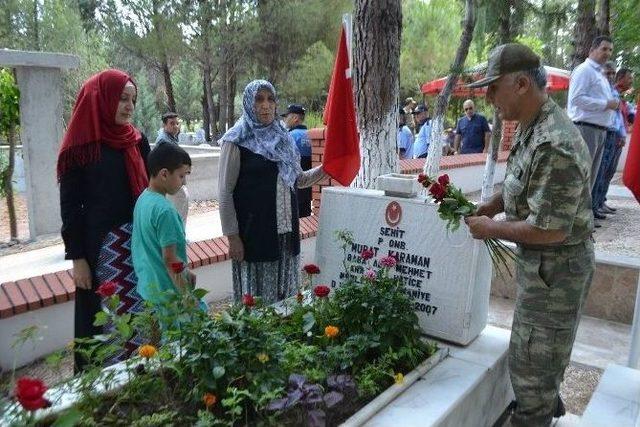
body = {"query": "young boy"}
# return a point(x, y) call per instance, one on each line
point(158, 242)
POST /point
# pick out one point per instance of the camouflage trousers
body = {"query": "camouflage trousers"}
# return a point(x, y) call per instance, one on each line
point(552, 287)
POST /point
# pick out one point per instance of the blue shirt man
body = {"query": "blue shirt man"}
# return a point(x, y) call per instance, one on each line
point(421, 143)
point(405, 137)
point(293, 119)
point(472, 130)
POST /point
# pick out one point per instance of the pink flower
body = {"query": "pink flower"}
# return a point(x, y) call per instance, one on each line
point(107, 289)
point(443, 180)
point(388, 261)
point(370, 275)
point(311, 269)
point(321, 291)
point(366, 254)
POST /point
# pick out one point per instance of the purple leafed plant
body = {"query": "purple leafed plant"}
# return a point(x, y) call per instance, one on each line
point(311, 399)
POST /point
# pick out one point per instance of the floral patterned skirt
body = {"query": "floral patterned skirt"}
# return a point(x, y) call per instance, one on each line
point(272, 281)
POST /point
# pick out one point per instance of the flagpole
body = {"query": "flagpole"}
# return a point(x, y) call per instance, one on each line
point(347, 23)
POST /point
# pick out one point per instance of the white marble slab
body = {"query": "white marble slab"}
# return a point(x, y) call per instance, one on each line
point(616, 401)
point(447, 274)
point(470, 388)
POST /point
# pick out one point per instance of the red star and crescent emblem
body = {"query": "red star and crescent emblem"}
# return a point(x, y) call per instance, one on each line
point(393, 214)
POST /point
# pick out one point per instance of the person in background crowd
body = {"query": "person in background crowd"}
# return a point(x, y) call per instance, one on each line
point(472, 131)
point(405, 137)
point(169, 134)
point(546, 199)
point(101, 170)
point(170, 129)
point(293, 120)
point(616, 134)
point(624, 82)
point(259, 173)
point(421, 143)
point(409, 105)
point(590, 104)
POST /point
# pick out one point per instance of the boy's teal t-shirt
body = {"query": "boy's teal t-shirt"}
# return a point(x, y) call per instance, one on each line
point(156, 225)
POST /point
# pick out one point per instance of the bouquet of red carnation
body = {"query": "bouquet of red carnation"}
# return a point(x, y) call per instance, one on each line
point(454, 206)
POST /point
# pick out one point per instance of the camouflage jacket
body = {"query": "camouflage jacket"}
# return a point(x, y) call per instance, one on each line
point(547, 177)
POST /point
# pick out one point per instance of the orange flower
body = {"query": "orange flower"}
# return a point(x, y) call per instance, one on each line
point(209, 399)
point(331, 331)
point(147, 351)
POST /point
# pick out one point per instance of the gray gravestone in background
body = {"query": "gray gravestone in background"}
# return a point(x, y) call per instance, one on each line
point(39, 79)
point(447, 275)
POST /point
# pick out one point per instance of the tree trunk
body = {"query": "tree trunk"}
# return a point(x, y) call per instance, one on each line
point(231, 94)
point(206, 121)
point(223, 97)
point(432, 165)
point(584, 31)
point(36, 27)
point(604, 18)
point(376, 59)
point(7, 175)
point(206, 16)
point(171, 102)
point(496, 131)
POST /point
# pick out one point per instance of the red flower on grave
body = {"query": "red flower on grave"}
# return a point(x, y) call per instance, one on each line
point(437, 191)
point(321, 291)
point(388, 261)
point(366, 254)
point(107, 289)
point(248, 300)
point(30, 393)
point(311, 269)
point(177, 267)
point(443, 180)
point(422, 178)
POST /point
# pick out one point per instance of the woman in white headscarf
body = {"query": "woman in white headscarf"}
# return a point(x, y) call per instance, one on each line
point(259, 174)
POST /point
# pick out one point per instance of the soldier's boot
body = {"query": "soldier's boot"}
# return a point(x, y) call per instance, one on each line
point(560, 409)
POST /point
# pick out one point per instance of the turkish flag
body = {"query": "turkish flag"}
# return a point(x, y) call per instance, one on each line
point(341, 158)
point(631, 173)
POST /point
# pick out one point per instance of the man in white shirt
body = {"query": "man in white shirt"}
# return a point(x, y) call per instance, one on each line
point(591, 106)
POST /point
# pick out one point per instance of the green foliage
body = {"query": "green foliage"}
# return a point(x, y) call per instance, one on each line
point(9, 102)
point(308, 81)
point(252, 359)
point(430, 35)
point(147, 118)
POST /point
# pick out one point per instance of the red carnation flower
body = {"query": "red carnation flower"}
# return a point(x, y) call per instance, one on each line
point(30, 393)
point(107, 289)
point(311, 269)
point(248, 300)
point(443, 180)
point(177, 267)
point(366, 254)
point(321, 291)
point(422, 178)
point(437, 191)
point(388, 261)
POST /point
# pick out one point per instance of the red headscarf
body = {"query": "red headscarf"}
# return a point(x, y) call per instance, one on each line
point(93, 123)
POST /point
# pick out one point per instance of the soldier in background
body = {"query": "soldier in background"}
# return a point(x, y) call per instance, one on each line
point(547, 201)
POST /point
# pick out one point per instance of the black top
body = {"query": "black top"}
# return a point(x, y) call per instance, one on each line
point(94, 200)
point(254, 198)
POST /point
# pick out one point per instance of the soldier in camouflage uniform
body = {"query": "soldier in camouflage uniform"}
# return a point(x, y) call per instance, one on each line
point(547, 203)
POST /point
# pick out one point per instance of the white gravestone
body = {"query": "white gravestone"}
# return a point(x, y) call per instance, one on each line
point(446, 274)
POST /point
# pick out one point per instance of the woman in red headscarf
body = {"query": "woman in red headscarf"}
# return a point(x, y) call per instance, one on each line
point(101, 170)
